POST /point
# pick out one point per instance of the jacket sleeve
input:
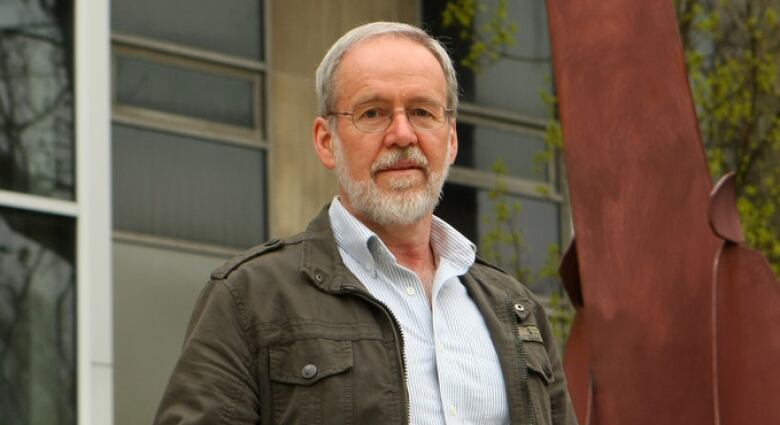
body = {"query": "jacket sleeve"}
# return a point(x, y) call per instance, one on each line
point(560, 403)
point(214, 381)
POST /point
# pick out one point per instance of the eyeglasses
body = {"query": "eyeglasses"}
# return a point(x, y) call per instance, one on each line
point(424, 116)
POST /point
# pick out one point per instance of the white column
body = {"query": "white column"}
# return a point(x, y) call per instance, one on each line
point(93, 197)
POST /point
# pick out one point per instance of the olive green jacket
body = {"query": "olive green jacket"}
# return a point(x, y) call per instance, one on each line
point(285, 333)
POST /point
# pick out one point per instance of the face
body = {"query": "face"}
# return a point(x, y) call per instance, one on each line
point(395, 176)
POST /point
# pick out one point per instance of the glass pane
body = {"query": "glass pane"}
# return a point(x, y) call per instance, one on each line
point(184, 91)
point(185, 188)
point(37, 319)
point(36, 98)
point(531, 40)
point(228, 26)
point(514, 85)
point(483, 148)
point(537, 224)
point(524, 68)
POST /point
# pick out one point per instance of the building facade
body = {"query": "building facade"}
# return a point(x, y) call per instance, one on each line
point(142, 143)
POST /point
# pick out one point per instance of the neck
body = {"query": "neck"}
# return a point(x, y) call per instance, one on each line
point(409, 243)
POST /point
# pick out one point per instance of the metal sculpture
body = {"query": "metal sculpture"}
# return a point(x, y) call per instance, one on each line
point(652, 340)
point(746, 320)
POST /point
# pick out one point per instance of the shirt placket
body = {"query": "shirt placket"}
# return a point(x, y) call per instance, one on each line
point(440, 332)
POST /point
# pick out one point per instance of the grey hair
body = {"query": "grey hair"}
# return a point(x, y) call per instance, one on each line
point(326, 71)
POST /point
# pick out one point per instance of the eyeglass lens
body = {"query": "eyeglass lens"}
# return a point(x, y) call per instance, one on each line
point(421, 116)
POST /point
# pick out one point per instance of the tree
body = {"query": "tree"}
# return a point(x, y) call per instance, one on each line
point(732, 54)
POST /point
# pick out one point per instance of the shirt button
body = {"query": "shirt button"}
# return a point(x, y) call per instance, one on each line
point(453, 410)
point(309, 371)
point(410, 291)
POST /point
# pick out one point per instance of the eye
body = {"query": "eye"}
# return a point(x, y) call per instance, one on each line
point(423, 111)
point(372, 113)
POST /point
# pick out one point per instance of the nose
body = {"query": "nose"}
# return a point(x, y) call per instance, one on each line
point(400, 133)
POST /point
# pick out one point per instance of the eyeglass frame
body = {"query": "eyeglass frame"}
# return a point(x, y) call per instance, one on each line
point(448, 113)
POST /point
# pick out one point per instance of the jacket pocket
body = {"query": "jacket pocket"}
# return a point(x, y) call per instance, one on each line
point(539, 377)
point(538, 364)
point(311, 381)
point(528, 332)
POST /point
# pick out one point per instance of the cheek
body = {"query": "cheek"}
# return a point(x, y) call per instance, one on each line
point(441, 156)
point(358, 164)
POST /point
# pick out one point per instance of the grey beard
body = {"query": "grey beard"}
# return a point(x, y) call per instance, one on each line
point(399, 205)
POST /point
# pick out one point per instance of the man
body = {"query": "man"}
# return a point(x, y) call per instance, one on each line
point(378, 313)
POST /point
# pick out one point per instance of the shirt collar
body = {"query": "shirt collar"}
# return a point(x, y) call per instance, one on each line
point(449, 244)
point(364, 245)
point(351, 235)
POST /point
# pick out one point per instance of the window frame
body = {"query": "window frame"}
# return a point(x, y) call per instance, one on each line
point(167, 53)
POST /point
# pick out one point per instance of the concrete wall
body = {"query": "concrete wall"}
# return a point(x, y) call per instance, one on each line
point(154, 293)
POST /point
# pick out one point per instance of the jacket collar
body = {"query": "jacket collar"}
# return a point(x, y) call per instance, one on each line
point(320, 259)
point(322, 264)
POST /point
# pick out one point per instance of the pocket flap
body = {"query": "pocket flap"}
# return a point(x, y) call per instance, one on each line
point(308, 361)
point(539, 361)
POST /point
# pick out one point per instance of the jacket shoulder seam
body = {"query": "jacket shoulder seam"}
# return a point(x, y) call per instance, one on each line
point(484, 262)
point(490, 271)
point(224, 271)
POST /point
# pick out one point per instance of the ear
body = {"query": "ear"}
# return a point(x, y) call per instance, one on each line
point(453, 141)
point(323, 143)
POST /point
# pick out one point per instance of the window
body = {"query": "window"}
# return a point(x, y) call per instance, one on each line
point(501, 133)
point(189, 150)
point(189, 155)
point(38, 381)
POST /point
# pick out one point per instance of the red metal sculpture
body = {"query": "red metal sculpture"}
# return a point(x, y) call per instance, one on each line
point(746, 321)
point(670, 314)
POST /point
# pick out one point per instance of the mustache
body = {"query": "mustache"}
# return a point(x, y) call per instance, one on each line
point(411, 155)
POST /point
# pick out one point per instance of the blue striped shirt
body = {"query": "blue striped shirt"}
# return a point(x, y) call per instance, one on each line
point(453, 373)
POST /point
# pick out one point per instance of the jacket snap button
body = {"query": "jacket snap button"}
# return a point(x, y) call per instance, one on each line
point(318, 276)
point(519, 307)
point(309, 371)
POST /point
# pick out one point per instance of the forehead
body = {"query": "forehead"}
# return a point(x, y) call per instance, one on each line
point(390, 68)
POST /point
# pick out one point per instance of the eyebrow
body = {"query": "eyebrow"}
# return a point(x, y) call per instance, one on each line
point(420, 99)
point(373, 98)
point(370, 99)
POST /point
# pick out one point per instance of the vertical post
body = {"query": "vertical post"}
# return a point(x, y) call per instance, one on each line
point(93, 183)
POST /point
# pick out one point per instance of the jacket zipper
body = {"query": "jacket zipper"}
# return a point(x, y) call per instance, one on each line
point(523, 364)
point(399, 334)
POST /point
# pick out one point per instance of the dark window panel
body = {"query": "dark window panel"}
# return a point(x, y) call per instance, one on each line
point(37, 319)
point(482, 147)
point(432, 21)
point(184, 91)
point(36, 99)
point(515, 85)
point(526, 63)
point(185, 188)
point(228, 26)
